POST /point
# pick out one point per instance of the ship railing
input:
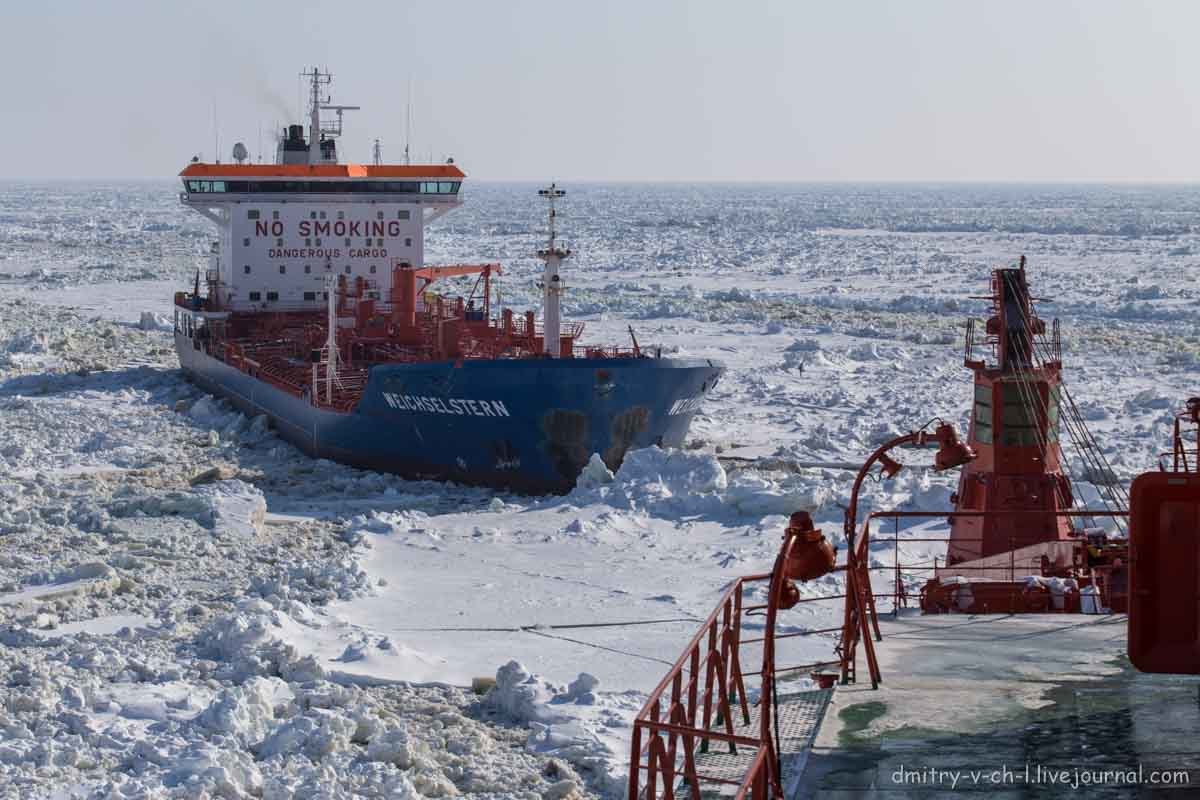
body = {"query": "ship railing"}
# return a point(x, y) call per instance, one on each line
point(990, 345)
point(969, 342)
point(348, 386)
point(705, 685)
point(284, 361)
point(571, 329)
point(278, 347)
point(197, 303)
point(1181, 459)
point(426, 313)
point(288, 306)
point(1012, 570)
point(702, 701)
point(266, 361)
point(265, 368)
point(990, 590)
point(611, 352)
point(702, 706)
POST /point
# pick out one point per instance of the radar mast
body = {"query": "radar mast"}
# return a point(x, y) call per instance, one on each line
point(552, 286)
point(318, 151)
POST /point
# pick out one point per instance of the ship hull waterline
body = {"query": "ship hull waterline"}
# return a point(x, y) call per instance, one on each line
point(527, 425)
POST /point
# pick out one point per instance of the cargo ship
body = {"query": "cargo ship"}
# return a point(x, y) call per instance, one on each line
point(318, 310)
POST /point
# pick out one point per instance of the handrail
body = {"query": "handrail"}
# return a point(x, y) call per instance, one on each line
point(757, 777)
point(865, 538)
point(693, 705)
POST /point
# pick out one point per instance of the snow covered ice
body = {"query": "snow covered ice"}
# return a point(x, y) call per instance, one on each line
point(189, 607)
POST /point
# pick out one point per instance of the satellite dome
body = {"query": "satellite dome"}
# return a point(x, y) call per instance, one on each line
point(240, 153)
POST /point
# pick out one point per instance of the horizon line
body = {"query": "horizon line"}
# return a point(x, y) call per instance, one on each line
point(701, 181)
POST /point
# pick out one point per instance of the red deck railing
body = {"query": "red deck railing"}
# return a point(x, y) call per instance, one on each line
point(693, 708)
point(276, 345)
point(681, 712)
point(1110, 595)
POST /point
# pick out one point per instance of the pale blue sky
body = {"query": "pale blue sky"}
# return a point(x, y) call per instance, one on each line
point(1070, 90)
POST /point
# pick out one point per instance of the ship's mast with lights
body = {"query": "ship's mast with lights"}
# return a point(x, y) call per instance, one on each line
point(552, 286)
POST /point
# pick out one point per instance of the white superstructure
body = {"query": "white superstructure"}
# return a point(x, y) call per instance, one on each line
point(283, 228)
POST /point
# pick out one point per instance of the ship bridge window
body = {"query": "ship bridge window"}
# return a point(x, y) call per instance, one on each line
point(310, 296)
point(252, 213)
point(439, 187)
point(272, 296)
point(246, 269)
point(205, 187)
point(255, 297)
point(402, 214)
point(1019, 419)
point(983, 414)
point(327, 187)
point(1052, 416)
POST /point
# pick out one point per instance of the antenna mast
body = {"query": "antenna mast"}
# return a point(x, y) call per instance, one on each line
point(377, 152)
point(317, 79)
point(552, 286)
point(408, 125)
point(316, 131)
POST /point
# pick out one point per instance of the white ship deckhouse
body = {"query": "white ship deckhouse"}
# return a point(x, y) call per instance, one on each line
point(283, 228)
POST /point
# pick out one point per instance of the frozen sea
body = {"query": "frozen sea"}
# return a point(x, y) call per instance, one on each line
point(189, 605)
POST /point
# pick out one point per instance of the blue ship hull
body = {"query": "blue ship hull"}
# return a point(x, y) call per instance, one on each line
point(527, 425)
